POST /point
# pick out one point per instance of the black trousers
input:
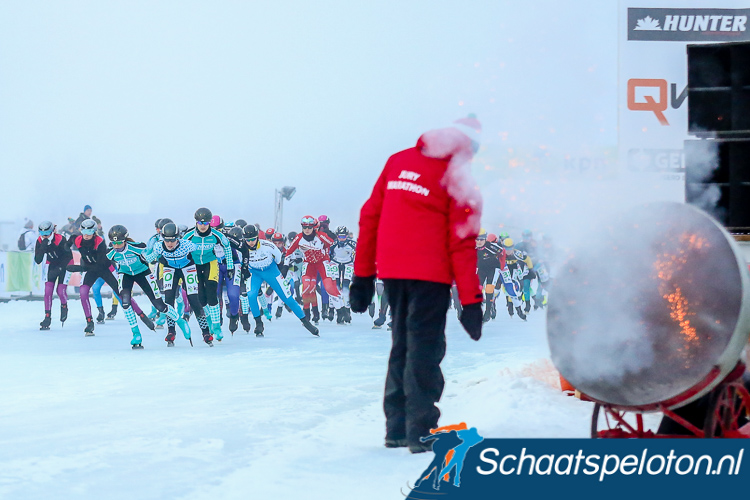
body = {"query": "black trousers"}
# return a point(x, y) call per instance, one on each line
point(126, 294)
point(414, 382)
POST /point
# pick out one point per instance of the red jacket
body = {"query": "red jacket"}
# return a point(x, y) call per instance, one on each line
point(316, 249)
point(422, 192)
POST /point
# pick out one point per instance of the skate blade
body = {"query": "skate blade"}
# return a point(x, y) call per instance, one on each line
point(170, 344)
point(191, 342)
point(137, 346)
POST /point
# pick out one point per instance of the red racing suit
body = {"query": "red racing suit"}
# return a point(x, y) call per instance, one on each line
point(316, 251)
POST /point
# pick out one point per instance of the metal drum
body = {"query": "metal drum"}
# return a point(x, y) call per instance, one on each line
point(654, 312)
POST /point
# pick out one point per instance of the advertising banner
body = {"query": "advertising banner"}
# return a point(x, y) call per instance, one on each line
point(3, 271)
point(652, 87)
point(18, 271)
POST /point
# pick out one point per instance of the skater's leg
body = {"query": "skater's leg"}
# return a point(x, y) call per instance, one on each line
point(273, 277)
point(96, 288)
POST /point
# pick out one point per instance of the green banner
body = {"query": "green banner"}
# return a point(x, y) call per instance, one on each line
point(18, 272)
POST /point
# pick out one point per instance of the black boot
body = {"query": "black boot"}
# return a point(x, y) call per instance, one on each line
point(520, 312)
point(340, 316)
point(310, 327)
point(307, 313)
point(258, 325)
point(330, 313)
point(147, 321)
point(171, 336)
point(493, 310)
point(510, 309)
point(245, 322)
point(233, 323)
point(113, 312)
point(316, 314)
point(278, 311)
point(324, 311)
point(528, 307)
point(371, 309)
point(487, 308)
point(208, 338)
point(379, 322)
point(89, 330)
point(347, 315)
point(63, 313)
point(101, 316)
point(44, 325)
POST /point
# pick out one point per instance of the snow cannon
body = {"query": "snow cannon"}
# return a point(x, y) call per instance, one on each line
point(653, 315)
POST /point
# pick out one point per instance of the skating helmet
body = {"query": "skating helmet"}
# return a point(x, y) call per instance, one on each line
point(181, 230)
point(203, 215)
point(250, 232)
point(269, 233)
point(277, 237)
point(503, 236)
point(508, 243)
point(163, 222)
point(228, 225)
point(88, 226)
point(240, 222)
point(118, 234)
point(491, 238)
point(291, 235)
point(156, 224)
point(482, 234)
point(308, 221)
point(324, 220)
point(342, 231)
point(236, 235)
point(46, 228)
point(170, 232)
point(217, 222)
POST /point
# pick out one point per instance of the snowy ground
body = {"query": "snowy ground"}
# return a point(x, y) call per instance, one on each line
point(285, 416)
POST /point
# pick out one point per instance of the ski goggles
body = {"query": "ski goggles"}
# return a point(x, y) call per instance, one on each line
point(118, 243)
point(46, 232)
point(342, 237)
point(309, 222)
point(202, 223)
point(88, 232)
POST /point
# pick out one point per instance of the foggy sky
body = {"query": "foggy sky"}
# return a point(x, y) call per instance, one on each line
point(147, 109)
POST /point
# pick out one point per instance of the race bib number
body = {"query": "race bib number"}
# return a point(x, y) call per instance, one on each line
point(304, 268)
point(119, 281)
point(154, 284)
point(191, 279)
point(285, 286)
point(348, 272)
point(542, 273)
point(167, 277)
point(332, 270)
point(505, 273)
point(237, 275)
point(66, 279)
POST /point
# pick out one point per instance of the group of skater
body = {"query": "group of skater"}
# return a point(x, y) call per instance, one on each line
point(200, 270)
point(217, 269)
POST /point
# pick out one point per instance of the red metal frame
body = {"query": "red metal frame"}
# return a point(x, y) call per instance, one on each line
point(731, 400)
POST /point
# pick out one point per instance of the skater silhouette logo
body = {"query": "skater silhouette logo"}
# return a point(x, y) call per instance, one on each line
point(450, 445)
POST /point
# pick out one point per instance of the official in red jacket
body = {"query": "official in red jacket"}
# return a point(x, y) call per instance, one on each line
point(428, 187)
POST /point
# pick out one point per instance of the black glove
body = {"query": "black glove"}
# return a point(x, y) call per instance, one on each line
point(361, 291)
point(230, 274)
point(74, 268)
point(471, 320)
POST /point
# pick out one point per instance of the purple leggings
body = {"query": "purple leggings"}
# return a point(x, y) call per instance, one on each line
point(62, 292)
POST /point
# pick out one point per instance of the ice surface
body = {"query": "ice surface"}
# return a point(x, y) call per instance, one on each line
point(278, 417)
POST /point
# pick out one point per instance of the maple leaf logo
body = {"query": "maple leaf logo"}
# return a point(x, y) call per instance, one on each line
point(647, 24)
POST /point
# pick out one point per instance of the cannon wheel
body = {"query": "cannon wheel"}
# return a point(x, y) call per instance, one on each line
point(616, 426)
point(727, 410)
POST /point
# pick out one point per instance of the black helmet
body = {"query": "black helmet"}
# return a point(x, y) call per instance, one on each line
point(203, 215)
point(156, 224)
point(236, 234)
point(170, 232)
point(249, 232)
point(118, 234)
point(163, 222)
point(240, 222)
point(342, 230)
point(88, 226)
point(182, 229)
point(46, 228)
point(291, 235)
